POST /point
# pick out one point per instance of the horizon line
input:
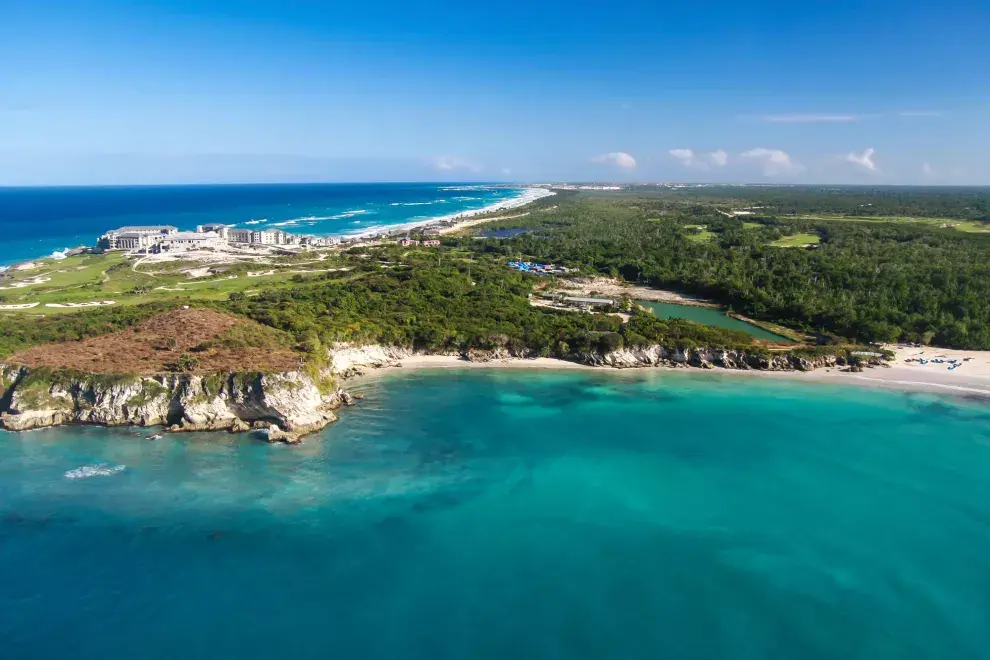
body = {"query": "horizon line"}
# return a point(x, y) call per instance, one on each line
point(755, 184)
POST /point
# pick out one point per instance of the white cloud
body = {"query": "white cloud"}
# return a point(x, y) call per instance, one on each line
point(927, 170)
point(506, 171)
point(720, 158)
point(864, 160)
point(452, 163)
point(773, 161)
point(810, 119)
point(688, 158)
point(920, 113)
point(617, 158)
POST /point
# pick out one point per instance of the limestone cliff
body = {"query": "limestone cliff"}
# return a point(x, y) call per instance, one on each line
point(708, 358)
point(292, 402)
point(349, 360)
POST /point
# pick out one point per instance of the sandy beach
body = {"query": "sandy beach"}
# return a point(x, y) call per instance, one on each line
point(971, 380)
point(463, 219)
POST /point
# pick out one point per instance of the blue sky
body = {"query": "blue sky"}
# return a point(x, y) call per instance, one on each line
point(118, 92)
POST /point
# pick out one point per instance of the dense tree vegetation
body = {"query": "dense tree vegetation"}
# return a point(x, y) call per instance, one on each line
point(900, 201)
point(458, 306)
point(872, 281)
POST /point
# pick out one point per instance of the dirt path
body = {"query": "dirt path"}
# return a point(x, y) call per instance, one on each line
point(610, 288)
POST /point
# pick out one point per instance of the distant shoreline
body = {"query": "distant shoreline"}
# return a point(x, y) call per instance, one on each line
point(899, 376)
point(529, 195)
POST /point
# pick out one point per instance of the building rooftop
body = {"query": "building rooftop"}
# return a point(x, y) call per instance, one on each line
point(591, 301)
point(145, 228)
point(193, 235)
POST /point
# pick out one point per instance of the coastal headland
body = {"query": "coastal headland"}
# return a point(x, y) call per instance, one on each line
point(229, 329)
point(154, 376)
point(186, 370)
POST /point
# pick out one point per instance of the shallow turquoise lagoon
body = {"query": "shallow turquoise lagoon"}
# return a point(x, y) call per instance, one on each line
point(515, 514)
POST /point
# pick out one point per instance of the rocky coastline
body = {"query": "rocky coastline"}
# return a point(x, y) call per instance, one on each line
point(290, 405)
point(286, 406)
point(347, 361)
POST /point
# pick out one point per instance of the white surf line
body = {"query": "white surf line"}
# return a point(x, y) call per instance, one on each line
point(923, 383)
point(529, 196)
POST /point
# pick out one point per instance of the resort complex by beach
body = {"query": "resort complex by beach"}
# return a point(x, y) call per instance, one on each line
point(169, 239)
point(166, 238)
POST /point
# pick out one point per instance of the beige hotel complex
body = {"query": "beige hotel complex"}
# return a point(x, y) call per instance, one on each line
point(161, 238)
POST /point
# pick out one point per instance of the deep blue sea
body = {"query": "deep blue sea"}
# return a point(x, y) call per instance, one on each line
point(510, 514)
point(37, 221)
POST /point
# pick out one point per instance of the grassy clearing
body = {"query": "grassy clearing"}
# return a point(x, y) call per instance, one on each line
point(701, 237)
point(698, 233)
point(797, 240)
point(111, 276)
point(959, 225)
point(751, 225)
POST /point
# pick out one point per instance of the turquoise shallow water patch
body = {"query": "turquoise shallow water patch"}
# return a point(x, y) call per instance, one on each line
point(471, 514)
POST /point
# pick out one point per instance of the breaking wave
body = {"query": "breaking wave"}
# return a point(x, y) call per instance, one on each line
point(311, 219)
point(98, 470)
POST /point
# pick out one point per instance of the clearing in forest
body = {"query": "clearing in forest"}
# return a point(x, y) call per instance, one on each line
point(797, 240)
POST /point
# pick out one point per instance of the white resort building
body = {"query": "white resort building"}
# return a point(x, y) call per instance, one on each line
point(250, 236)
point(135, 237)
point(189, 240)
point(166, 238)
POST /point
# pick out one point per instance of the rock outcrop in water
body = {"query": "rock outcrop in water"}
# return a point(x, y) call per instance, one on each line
point(292, 402)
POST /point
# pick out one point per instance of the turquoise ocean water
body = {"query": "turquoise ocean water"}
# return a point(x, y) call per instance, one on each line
point(515, 514)
point(37, 221)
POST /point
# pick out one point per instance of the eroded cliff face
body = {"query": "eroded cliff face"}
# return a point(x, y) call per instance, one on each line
point(708, 358)
point(291, 404)
point(348, 360)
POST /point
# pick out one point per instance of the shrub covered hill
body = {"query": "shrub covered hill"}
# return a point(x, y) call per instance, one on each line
point(187, 369)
